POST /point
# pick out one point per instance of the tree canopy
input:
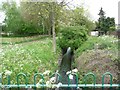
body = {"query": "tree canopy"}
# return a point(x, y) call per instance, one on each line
point(36, 17)
point(13, 18)
point(104, 23)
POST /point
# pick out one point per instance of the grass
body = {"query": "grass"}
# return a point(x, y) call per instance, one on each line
point(102, 42)
point(29, 58)
point(34, 54)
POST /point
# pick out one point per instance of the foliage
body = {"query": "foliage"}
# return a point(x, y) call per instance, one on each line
point(104, 23)
point(29, 28)
point(81, 17)
point(13, 19)
point(72, 36)
point(36, 17)
point(40, 14)
point(15, 22)
point(77, 17)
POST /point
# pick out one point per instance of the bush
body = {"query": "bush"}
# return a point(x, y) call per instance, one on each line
point(28, 28)
point(72, 36)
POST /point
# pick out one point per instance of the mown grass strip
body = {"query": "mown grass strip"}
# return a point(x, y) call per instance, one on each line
point(18, 40)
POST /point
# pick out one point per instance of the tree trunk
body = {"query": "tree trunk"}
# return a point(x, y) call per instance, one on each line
point(53, 29)
point(43, 26)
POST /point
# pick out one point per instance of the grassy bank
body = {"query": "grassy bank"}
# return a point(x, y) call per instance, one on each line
point(102, 42)
point(98, 55)
point(35, 55)
point(29, 58)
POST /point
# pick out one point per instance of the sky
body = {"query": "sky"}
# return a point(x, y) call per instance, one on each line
point(109, 6)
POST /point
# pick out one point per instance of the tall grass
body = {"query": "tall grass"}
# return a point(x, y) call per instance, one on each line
point(102, 42)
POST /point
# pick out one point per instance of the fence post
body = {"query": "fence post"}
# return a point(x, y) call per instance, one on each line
point(103, 77)
point(57, 76)
point(8, 78)
point(41, 75)
point(76, 77)
point(94, 78)
point(24, 75)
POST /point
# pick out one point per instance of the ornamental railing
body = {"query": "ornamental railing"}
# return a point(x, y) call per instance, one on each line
point(43, 85)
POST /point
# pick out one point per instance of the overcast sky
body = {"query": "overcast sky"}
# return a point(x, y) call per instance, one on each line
point(109, 6)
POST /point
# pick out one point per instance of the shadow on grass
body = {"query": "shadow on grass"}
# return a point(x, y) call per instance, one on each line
point(24, 39)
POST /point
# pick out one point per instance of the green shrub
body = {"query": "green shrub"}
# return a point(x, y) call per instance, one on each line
point(72, 36)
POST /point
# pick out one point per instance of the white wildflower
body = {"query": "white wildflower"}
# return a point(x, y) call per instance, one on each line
point(68, 72)
point(48, 83)
point(52, 80)
point(1, 50)
point(38, 85)
point(114, 41)
point(57, 71)
point(41, 80)
point(39, 13)
point(70, 76)
point(59, 84)
point(46, 72)
point(52, 86)
point(75, 70)
point(7, 72)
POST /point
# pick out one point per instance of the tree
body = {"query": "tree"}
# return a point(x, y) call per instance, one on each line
point(76, 17)
point(46, 14)
point(14, 22)
point(13, 19)
point(37, 14)
point(40, 14)
point(104, 23)
point(111, 23)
